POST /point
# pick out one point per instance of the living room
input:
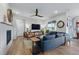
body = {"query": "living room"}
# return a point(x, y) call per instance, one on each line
point(34, 29)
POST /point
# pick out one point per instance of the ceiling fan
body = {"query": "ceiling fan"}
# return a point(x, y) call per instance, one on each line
point(36, 13)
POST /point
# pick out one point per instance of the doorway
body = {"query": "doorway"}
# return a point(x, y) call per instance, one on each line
point(77, 29)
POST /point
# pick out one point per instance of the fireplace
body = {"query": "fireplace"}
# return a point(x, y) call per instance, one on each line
point(8, 34)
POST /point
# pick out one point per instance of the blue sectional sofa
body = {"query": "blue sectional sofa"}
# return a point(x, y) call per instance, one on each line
point(52, 40)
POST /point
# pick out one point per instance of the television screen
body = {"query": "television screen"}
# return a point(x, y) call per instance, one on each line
point(35, 26)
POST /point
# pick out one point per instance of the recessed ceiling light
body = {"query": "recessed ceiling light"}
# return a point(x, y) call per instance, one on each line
point(55, 11)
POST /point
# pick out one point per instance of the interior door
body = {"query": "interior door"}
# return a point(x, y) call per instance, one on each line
point(77, 27)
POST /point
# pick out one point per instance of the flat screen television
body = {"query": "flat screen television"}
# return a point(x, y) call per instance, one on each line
point(35, 26)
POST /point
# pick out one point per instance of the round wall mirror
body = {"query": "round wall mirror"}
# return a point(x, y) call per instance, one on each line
point(60, 24)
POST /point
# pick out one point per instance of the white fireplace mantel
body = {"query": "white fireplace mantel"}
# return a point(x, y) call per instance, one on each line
point(3, 41)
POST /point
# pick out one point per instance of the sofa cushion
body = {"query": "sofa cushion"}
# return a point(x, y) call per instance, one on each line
point(60, 34)
point(52, 33)
point(48, 37)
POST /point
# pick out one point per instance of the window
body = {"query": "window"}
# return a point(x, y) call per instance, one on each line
point(52, 26)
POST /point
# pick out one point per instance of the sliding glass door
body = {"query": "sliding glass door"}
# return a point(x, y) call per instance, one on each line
point(69, 28)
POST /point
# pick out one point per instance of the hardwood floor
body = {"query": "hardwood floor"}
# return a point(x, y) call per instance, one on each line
point(18, 48)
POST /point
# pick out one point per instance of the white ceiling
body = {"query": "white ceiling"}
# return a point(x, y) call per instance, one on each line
point(45, 9)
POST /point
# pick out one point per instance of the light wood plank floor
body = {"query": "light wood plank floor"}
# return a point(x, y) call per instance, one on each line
point(18, 48)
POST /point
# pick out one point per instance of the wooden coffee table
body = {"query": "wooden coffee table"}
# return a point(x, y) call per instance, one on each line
point(34, 40)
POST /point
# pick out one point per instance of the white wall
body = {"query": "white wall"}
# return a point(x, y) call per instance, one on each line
point(3, 9)
point(3, 29)
point(36, 21)
point(62, 17)
point(3, 40)
point(19, 27)
point(18, 24)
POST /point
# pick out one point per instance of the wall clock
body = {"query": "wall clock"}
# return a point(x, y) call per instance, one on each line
point(60, 24)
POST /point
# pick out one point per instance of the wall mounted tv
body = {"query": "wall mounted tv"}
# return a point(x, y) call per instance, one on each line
point(35, 26)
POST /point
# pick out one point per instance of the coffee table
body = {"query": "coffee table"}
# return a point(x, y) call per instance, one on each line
point(34, 40)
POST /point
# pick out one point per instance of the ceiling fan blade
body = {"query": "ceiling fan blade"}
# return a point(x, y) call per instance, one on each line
point(39, 16)
point(36, 12)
